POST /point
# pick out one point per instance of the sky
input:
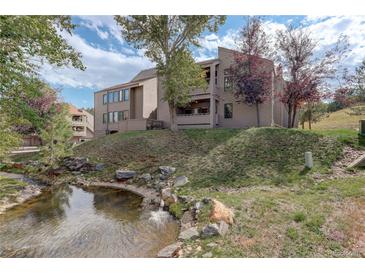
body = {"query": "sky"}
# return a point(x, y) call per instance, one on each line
point(109, 60)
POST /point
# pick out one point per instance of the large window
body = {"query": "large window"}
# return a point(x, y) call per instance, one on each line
point(124, 95)
point(110, 117)
point(105, 99)
point(105, 118)
point(115, 117)
point(110, 97)
point(228, 111)
point(116, 96)
point(228, 83)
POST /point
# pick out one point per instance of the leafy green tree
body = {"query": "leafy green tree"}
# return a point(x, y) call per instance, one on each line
point(358, 82)
point(28, 41)
point(167, 40)
point(8, 138)
point(56, 136)
point(312, 113)
point(25, 43)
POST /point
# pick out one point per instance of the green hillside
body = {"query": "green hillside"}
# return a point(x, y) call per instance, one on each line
point(215, 156)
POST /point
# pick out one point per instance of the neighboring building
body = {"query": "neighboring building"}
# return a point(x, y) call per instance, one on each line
point(209, 108)
point(129, 106)
point(82, 124)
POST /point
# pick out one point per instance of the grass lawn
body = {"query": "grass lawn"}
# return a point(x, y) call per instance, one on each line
point(10, 187)
point(301, 220)
point(344, 135)
point(347, 118)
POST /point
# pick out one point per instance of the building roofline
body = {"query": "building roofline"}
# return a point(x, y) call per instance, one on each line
point(124, 85)
point(236, 51)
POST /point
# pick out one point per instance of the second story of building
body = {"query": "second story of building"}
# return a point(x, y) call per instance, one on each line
point(135, 100)
point(82, 122)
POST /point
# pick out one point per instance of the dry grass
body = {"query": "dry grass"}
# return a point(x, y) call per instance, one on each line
point(347, 118)
point(218, 156)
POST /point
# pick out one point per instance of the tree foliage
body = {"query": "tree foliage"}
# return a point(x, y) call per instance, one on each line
point(358, 82)
point(56, 136)
point(28, 41)
point(312, 113)
point(168, 39)
point(307, 71)
point(251, 74)
point(8, 138)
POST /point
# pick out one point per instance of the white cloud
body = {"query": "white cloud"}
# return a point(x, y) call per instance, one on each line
point(108, 22)
point(104, 68)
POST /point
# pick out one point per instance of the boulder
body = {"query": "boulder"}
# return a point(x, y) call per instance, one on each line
point(123, 174)
point(99, 167)
point(168, 197)
point(211, 245)
point(223, 228)
point(220, 212)
point(169, 251)
point(146, 177)
point(167, 170)
point(189, 234)
point(75, 163)
point(181, 181)
point(207, 255)
point(187, 219)
point(210, 230)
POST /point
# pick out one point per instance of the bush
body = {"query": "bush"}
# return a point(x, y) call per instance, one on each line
point(292, 233)
point(299, 217)
point(176, 209)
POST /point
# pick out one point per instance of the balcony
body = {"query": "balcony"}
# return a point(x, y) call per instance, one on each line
point(79, 131)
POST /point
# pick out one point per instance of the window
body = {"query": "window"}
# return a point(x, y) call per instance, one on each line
point(105, 99)
point(120, 115)
point(105, 117)
point(228, 84)
point(228, 111)
point(110, 97)
point(110, 117)
point(115, 117)
point(125, 94)
point(116, 96)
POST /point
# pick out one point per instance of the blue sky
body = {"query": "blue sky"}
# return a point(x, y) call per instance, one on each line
point(110, 60)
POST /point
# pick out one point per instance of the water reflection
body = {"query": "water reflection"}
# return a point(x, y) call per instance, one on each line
point(72, 222)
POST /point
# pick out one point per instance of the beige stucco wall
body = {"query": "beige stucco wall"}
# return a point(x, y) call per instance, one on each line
point(243, 115)
point(163, 113)
point(149, 96)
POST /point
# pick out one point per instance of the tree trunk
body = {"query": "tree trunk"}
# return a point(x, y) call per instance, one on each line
point(310, 119)
point(289, 115)
point(258, 114)
point(294, 114)
point(173, 122)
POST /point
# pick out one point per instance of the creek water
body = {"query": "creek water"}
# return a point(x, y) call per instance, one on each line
point(70, 221)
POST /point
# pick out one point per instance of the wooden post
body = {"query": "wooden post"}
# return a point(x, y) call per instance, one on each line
point(308, 159)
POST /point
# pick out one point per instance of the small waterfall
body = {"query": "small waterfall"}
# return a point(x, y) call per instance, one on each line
point(160, 217)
